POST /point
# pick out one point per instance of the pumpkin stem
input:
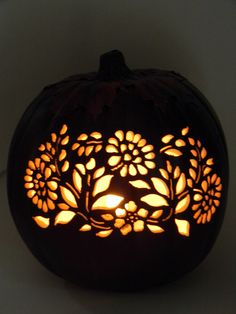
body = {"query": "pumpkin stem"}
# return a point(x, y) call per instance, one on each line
point(112, 66)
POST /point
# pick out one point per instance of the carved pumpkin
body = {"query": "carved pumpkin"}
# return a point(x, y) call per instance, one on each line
point(118, 179)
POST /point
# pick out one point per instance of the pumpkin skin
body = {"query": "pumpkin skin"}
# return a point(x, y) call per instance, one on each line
point(157, 105)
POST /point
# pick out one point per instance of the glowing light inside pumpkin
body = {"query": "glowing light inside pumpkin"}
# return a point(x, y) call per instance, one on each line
point(165, 192)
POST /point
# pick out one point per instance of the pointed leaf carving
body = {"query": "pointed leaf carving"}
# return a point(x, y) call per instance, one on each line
point(107, 217)
point(181, 184)
point(104, 233)
point(155, 229)
point(154, 200)
point(107, 202)
point(64, 217)
point(68, 197)
point(183, 204)
point(173, 152)
point(183, 227)
point(77, 180)
point(140, 184)
point(85, 228)
point(167, 138)
point(102, 184)
point(42, 221)
point(99, 172)
point(160, 186)
point(157, 214)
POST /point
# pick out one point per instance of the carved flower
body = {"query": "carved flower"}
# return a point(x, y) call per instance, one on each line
point(131, 218)
point(207, 199)
point(130, 153)
point(86, 144)
point(40, 184)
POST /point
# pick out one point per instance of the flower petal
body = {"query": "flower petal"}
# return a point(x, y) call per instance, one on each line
point(142, 212)
point(150, 164)
point(123, 171)
point(126, 229)
point(132, 170)
point(50, 204)
point(131, 206)
point(52, 185)
point(114, 160)
point(120, 135)
point(31, 193)
point(130, 136)
point(120, 212)
point(111, 149)
point(142, 170)
point(119, 223)
point(138, 226)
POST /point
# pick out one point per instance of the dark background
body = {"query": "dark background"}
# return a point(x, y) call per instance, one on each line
point(46, 40)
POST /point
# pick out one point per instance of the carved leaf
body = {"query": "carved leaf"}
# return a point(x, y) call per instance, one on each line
point(192, 173)
point(77, 180)
point(167, 138)
point(102, 184)
point(107, 217)
point(42, 221)
point(107, 202)
point(185, 131)
point(99, 172)
point(63, 129)
point(64, 217)
point(181, 184)
point(173, 152)
point(206, 171)
point(154, 200)
point(203, 153)
point(155, 229)
point(160, 186)
point(183, 227)
point(104, 233)
point(68, 197)
point(157, 214)
point(164, 173)
point(65, 140)
point(194, 163)
point(190, 183)
point(63, 206)
point(65, 166)
point(140, 184)
point(85, 227)
point(183, 204)
point(62, 155)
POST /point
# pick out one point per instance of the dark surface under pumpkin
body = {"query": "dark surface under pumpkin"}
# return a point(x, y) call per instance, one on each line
point(152, 103)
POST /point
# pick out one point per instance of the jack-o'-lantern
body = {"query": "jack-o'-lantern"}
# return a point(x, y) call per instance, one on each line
point(118, 179)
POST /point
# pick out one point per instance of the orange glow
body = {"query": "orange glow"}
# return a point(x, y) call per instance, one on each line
point(84, 186)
